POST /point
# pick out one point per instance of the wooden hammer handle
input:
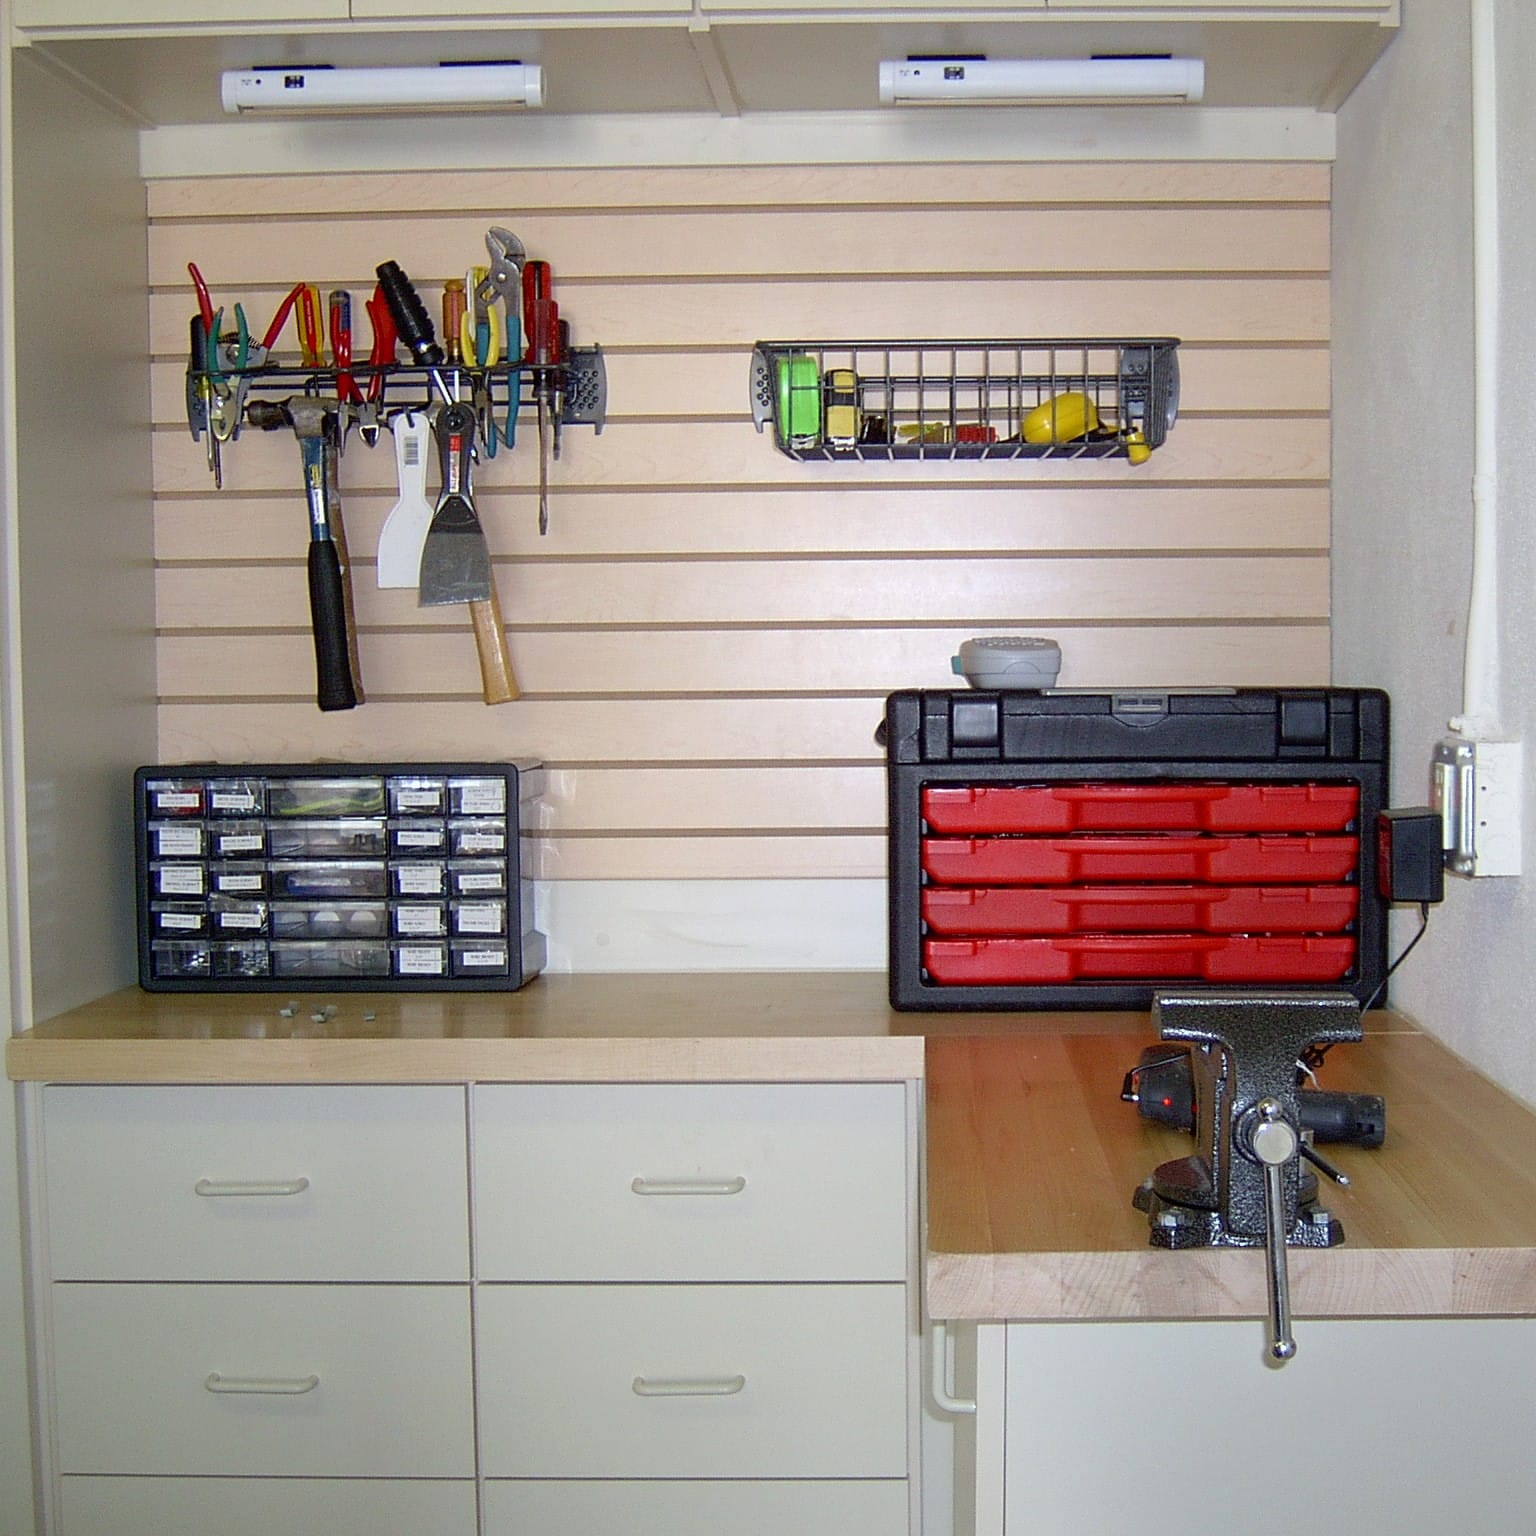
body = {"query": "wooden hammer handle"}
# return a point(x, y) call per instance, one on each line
point(498, 682)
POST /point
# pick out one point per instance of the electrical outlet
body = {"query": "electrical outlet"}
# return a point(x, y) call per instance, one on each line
point(1477, 788)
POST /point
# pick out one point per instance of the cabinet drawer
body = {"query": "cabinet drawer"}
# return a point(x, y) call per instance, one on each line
point(242, 1380)
point(261, 1506)
point(691, 1182)
point(673, 1508)
point(363, 1183)
point(711, 1381)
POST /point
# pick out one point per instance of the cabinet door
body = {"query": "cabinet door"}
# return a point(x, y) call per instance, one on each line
point(707, 1181)
point(42, 14)
point(258, 1380)
point(273, 1183)
point(260, 1506)
point(712, 1381)
point(1437, 1411)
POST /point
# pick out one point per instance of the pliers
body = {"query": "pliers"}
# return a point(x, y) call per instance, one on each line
point(382, 319)
point(221, 401)
point(503, 280)
point(480, 346)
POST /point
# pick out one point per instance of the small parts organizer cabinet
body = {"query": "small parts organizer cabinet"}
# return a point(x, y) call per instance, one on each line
point(1059, 850)
point(1083, 399)
point(693, 1308)
point(282, 877)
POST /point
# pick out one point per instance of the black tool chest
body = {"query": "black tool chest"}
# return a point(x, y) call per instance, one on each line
point(1080, 850)
point(295, 877)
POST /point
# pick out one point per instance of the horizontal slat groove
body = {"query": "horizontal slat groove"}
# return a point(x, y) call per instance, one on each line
point(705, 638)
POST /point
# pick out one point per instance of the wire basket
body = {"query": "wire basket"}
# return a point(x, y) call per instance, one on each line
point(1032, 399)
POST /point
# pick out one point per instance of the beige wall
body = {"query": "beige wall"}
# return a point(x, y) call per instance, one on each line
point(707, 633)
point(1403, 470)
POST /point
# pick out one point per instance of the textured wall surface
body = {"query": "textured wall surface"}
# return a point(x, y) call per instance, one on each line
point(1403, 428)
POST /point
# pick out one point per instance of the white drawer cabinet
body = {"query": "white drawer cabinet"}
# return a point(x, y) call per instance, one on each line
point(267, 1506)
point(715, 1381)
point(495, 1309)
point(672, 1507)
point(256, 1183)
point(256, 1380)
point(691, 1182)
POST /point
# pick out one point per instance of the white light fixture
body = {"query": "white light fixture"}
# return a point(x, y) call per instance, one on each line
point(436, 87)
point(1006, 82)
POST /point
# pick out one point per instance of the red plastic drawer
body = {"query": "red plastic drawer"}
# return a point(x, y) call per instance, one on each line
point(1025, 909)
point(1044, 808)
point(1166, 957)
point(1078, 860)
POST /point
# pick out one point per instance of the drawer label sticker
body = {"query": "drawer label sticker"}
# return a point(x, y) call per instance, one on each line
point(177, 800)
point(420, 837)
point(179, 840)
point(480, 917)
point(187, 881)
point(425, 799)
point(419, 879)
point(418, 960)
point(419, 920)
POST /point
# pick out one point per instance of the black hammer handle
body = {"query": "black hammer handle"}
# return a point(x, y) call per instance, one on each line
point(335, 687)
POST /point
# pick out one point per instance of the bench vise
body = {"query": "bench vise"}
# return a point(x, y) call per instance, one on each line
point(1245, 1186)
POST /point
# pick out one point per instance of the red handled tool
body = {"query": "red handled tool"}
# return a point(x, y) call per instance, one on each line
point(541, 325)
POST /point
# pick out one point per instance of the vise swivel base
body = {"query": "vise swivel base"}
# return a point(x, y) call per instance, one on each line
point(1245, 1186)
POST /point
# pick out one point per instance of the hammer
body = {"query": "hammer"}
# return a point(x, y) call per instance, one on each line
point(315, 422)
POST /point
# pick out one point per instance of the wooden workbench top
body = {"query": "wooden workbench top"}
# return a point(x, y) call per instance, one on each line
point(1031, 1156)
point(644, 1027)
point(1033, 1159)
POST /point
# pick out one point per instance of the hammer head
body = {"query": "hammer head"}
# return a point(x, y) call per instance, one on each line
point(308, 415)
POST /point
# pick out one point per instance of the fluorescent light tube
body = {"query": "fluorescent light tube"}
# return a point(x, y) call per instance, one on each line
point(435, 87)
point(1003, 82)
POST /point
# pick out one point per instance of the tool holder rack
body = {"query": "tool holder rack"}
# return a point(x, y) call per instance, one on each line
point(944, 399)
point(580, 382)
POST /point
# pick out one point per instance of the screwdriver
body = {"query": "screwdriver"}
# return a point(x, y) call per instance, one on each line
point(541, 325)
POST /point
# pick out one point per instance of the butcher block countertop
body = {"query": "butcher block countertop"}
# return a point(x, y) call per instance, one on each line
point(1031, 1156)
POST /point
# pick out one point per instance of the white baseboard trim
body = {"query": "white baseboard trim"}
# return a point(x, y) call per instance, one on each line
point(933, 136)
point(713, 925)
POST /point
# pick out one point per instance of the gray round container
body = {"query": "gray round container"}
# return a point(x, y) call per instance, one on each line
point(1008, 661)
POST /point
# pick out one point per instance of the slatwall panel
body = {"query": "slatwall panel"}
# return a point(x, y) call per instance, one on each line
point(705, 636)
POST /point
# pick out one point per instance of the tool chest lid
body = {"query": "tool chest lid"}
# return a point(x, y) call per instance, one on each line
point(925, 726)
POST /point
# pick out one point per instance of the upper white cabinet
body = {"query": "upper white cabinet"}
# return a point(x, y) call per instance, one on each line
point(41, 15)
point(1278, 9)
point(552, 10)
point(859, 10)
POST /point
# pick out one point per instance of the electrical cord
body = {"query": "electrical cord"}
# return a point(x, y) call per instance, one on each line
point(1312, 1057)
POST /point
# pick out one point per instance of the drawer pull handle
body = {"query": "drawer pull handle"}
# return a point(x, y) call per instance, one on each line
point(271, 1386)
point(689, 1186)
point(217, 1188)
point(711, 1386)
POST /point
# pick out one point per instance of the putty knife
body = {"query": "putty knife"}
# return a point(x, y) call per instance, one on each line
point(455, 560)
point(405, 529)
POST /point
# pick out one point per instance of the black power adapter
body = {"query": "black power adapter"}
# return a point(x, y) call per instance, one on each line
point(1410, 856)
